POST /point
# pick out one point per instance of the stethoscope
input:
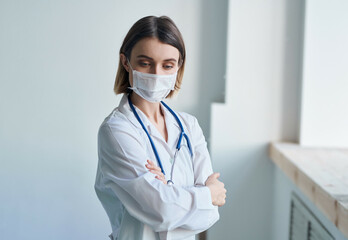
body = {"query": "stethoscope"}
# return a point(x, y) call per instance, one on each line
point(178, 145)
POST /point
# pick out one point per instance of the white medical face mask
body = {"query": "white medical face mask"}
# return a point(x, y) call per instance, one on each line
point(152, 87)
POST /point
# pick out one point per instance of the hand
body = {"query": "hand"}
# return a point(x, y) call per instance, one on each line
point(217, 189)
point(156, 170)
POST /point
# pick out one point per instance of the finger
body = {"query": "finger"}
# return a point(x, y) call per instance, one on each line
point(161, 179)
point(153, 167)
point(222, 203)
point(215, 175)
point(151, 162)
point(159, 173)
point(149, 166)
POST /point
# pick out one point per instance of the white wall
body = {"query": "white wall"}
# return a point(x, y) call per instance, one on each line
point(324, 87)
point(58, 61)
point(324, 115)
point(262, 98)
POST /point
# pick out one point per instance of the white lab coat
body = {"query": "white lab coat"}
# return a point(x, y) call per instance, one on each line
point(138, 205)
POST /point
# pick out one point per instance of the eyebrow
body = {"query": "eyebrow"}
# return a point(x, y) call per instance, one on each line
point(165, 60)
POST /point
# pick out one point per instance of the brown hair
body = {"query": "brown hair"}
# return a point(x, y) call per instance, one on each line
point(162, 28)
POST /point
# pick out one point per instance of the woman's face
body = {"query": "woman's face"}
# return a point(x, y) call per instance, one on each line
point(149, 55)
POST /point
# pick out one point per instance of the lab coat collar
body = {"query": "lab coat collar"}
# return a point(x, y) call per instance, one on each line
point(127, 111)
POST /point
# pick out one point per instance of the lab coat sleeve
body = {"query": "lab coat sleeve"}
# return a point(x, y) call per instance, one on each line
point(201, 159)
point(122, 160)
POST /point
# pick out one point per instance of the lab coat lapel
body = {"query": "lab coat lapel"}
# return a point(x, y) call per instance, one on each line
point(153, 131)
point(169, 117)
point(127, 111)
point(173, 129)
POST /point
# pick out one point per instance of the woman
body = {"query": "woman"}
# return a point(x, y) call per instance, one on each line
point(154, 176)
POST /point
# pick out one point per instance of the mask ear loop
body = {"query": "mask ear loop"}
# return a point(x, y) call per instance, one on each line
point(130, 66)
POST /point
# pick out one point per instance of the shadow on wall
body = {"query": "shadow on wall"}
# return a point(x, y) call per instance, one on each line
point(248, 179)
point(292, 74)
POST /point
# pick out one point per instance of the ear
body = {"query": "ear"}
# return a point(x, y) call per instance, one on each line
point(124, 61)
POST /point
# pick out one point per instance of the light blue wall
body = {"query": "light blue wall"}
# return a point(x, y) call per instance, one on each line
point(58, 61)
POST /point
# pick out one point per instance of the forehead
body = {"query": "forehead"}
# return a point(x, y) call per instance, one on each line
point(155, 49)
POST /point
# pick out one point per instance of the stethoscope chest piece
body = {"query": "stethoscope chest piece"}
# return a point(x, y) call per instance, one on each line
point(170, 183)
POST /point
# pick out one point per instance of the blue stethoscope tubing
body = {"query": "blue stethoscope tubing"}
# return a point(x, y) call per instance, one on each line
point(178, 145)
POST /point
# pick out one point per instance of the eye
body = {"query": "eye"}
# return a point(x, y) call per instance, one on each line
point(167, 66)
point(144, 64)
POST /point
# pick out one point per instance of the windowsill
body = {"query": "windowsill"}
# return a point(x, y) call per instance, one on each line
point(321, 174)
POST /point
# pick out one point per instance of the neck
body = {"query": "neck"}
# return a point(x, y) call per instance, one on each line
point(150, 109)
